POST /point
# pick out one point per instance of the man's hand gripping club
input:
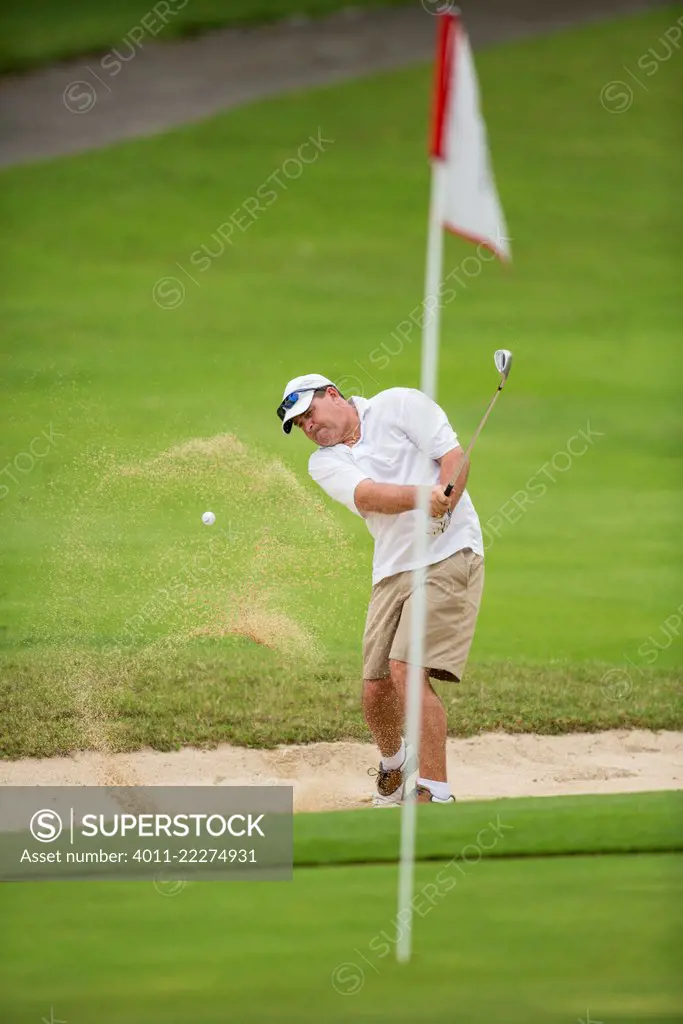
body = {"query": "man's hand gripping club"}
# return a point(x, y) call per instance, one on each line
point(440, 511)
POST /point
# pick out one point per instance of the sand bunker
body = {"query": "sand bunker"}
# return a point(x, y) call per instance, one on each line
point(332, 776)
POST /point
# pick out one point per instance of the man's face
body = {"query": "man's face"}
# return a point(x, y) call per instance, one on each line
point(325, 420)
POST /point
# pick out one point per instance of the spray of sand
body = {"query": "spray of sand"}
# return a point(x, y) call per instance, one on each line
point(205, 584)
point(194, 457)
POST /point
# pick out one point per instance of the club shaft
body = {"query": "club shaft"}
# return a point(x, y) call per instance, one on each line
point(470, 446)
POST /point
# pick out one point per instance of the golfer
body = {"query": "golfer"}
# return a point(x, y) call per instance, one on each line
point(367, 458)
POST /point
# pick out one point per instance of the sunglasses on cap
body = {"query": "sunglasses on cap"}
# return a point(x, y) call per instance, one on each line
point(291, 400)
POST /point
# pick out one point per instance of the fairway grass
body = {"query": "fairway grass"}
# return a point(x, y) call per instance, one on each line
point(124, 622)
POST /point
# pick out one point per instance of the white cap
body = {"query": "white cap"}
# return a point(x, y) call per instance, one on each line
point(305, 387)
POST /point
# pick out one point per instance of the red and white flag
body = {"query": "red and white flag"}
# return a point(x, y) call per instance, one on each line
point(469, 203)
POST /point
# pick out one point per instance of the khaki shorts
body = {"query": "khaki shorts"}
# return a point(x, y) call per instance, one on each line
point(454, 587)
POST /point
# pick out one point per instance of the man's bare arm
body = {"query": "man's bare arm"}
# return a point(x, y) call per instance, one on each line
point(388, 498)
point(450, 464)
point(394, 498)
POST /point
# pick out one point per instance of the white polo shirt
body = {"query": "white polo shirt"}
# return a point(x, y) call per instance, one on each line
point(387, 452)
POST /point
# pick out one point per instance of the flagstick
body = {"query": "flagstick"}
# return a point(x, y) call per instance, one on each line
point(430, 359)
point(430, 327)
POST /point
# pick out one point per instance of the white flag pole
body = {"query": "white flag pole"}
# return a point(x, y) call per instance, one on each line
point(463, 198)
point(430, 360)
point(431, 323)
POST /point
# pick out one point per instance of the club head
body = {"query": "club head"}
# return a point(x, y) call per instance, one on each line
point(502, 357)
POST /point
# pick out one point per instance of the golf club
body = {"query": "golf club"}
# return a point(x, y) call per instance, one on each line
point(502, 357)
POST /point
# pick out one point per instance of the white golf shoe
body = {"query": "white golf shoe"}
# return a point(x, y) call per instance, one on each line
point(394, 784)
point(424, 795)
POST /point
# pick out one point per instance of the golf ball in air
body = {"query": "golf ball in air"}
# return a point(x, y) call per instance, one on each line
point(208, 519)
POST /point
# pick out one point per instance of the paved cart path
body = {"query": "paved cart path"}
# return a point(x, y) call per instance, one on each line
point(90, 103)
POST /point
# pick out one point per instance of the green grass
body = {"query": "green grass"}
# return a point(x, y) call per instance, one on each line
point(37, 32)
point(500, 939)
point(231, 693)
point(528, 827)
point(106, 571)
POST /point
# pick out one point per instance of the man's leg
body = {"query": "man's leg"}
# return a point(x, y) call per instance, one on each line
point(381, 705)
point(384, 714)
point(434, 725)
point(453, 591)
